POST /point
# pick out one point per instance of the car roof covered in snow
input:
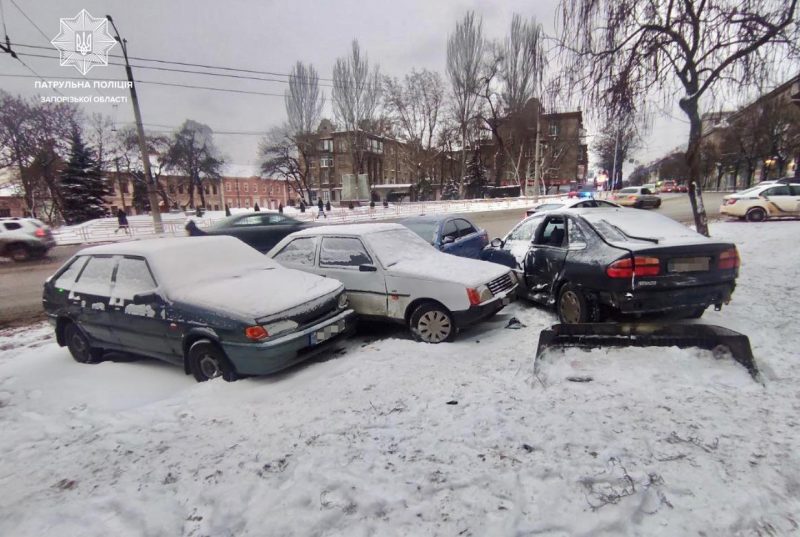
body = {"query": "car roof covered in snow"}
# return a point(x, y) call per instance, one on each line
point(348, 229)
point(146, 247)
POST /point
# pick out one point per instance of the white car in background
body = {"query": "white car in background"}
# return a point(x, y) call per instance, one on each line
point(767, 200)
point(390, 273)
point(576, 203)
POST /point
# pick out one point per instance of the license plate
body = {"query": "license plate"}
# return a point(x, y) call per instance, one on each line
point(689, 264)
point(326, 333)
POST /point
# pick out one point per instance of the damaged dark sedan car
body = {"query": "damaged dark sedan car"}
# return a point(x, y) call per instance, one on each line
point(590, 263)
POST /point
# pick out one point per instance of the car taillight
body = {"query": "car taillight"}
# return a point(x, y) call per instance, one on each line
point(474, 296)
point(256, 333)
point(632, 197)
point(40, 233)
point(638, 266)
point(729, 259)
point(730, 201)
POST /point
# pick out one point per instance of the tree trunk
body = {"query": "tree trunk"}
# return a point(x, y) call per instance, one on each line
point(463, 161)
point(690, 107)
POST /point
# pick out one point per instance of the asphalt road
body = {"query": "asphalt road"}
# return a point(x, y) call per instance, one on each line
point(21, 283)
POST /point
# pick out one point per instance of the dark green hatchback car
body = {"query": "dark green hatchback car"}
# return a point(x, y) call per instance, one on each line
point(213, 305)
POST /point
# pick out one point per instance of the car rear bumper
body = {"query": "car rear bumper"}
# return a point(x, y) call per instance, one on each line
point(475, 314)
point(669, 300)
point(285, 351)
point(737, 209)
point(625, 202)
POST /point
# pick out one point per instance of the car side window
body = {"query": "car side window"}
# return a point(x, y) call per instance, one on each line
point(275, 219)
point(553, 233)
point(464, 228)
point(96, 277)
point(67, 278)
point(252, 220)
point(601, 203)
point(777, 191)
point(525, 230)
point(299, 251)
point(795, 190)
point(646, 191)
point(574, 233)
point(343, 252)
point(11, 226)
point(450, 230)
point(133, 276)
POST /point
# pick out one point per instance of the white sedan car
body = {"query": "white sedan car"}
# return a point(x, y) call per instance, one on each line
point(575, 203)
point(767, 200)
point(390, 273)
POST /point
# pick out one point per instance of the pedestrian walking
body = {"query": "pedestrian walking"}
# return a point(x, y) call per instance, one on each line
point(280, 208)
point(122, 220)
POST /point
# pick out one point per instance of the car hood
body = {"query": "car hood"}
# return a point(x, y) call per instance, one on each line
point(449, 268)
point(255, 293)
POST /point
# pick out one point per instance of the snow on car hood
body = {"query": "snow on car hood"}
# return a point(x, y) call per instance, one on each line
point(449, 268)
point(255, 292)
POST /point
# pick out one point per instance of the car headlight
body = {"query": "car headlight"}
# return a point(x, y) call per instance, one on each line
point(280, 327)
point(343, 301)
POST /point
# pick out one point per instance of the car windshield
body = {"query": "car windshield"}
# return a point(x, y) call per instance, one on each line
point(426, 229)
point(398, 245)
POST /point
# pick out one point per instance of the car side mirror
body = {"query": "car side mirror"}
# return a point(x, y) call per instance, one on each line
point(150, 297)
point(367, 268)
point(448, 240)
point(497, 243)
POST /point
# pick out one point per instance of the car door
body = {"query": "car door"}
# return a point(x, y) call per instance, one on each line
point(547, 255)
point(780, 201)
point(90, 297)
point(141, 328)
point(795, 191)
point(471, 239)
point(347, 260)
point(448, 237)
point(648, 198)
point(518, 240)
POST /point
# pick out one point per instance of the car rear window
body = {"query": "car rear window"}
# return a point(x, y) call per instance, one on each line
point(67, 278)
point(549, 206)
point(426, 230)
point(11, 226)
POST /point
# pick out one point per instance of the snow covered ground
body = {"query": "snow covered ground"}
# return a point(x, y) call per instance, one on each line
point(392, 437)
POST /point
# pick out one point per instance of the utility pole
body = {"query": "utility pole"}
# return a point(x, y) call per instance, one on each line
point(152, 193)
point(536, 157)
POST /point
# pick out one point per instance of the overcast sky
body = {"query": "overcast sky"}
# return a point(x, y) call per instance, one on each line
point(266, 36)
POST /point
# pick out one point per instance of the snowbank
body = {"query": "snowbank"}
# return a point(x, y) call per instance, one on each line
point(393, 437)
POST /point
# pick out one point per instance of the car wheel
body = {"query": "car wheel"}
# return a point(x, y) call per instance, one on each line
point(572, 306)
point(19, 253)
point(432, 323)
point(207, 361)
point(78, 345)
point(756, 214)
point(658, 204)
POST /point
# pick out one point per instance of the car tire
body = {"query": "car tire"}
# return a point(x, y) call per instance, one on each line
point(432, 323)
point(756, 214)
point(207, 361)
point(572, 306)
point(19, 253)
point(79, 346)
point(658, 204)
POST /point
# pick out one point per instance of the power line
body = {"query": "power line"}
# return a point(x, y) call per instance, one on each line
point(187, 64)
point(156, 83)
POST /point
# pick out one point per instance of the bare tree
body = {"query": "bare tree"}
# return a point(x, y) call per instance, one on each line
point(613, 146)
point(414, 107)
point(192, 152)
point(304, 103)
point(281, 157)
point(356, 96)
point(623, 51)
point(464, 56)
point(126, 158)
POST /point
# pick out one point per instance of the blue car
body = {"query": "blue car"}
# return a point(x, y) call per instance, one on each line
point(451, 234)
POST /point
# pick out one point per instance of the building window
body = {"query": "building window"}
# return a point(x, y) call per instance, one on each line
point(326, 162)
point(553, 129)
point(246, 187)
point(124, 187)
point(208, 190)
point(214, 189)
point(326, 145)
point(227, 187)
point(326, 196)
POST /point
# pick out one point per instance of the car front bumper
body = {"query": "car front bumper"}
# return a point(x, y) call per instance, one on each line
point(285, 351)
point(669, 300)
point(482, 311)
